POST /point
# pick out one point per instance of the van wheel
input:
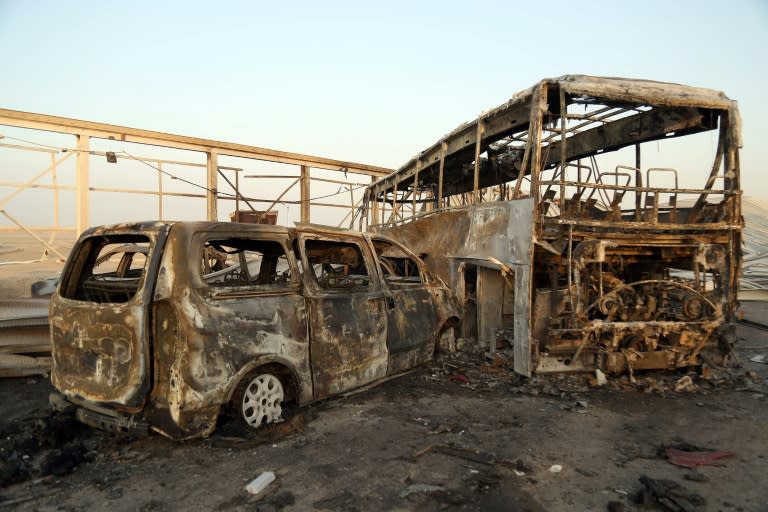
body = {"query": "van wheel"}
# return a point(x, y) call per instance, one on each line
point(259, 400)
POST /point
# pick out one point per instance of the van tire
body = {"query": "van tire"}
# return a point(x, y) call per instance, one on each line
point(259, 399)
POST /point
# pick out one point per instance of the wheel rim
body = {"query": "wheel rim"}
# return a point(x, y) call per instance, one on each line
point(262, 400)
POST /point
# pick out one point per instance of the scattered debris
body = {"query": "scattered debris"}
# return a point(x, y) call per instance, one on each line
point(760, 358)
point(260, 483)
point(460, 378)
point(628, 450)
point(461, 452)
point(695, 476)
point(651, 385)
point(668, 495)
point(600, 377)
point(41, 446)
point(692, 459)
point(61, 461)
point(685, 384)
point(555, 468)
point(489, 375)
point(576, 407)
point(420, 488)
point(271, 433)
point(445, 429)
point(518, 467)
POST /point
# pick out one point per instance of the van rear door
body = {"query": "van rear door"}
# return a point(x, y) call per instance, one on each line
point(99, 316)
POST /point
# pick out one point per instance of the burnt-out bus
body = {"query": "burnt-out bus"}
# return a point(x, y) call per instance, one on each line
point(588, 222)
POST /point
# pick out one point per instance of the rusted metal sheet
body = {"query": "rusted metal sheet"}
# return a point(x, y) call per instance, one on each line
point(193, 316)
point(468, 237)
point(615, 266)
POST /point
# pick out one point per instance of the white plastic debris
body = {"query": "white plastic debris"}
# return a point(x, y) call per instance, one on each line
point(600, 377)
point(685, 384)
point(556, 468)
point(260, 483)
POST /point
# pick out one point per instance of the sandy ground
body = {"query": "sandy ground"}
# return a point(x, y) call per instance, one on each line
point(462, 433)
point(24, 260)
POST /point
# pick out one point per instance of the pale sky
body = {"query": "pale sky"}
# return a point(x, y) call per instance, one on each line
point(367, 82)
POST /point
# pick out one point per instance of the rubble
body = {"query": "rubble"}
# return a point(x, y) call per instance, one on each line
point(43, 446)
point(668, 496)
point(685, 384)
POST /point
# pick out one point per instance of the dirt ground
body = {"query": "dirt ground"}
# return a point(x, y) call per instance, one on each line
point(462, 433)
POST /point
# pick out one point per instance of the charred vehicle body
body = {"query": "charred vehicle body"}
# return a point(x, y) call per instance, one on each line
point(592, 223)
point(162, 324)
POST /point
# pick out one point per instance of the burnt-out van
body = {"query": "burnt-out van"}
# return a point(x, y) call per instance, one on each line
point(159, 325)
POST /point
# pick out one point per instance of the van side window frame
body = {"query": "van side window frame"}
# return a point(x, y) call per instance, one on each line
point(336, 279)
point(212, 252)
